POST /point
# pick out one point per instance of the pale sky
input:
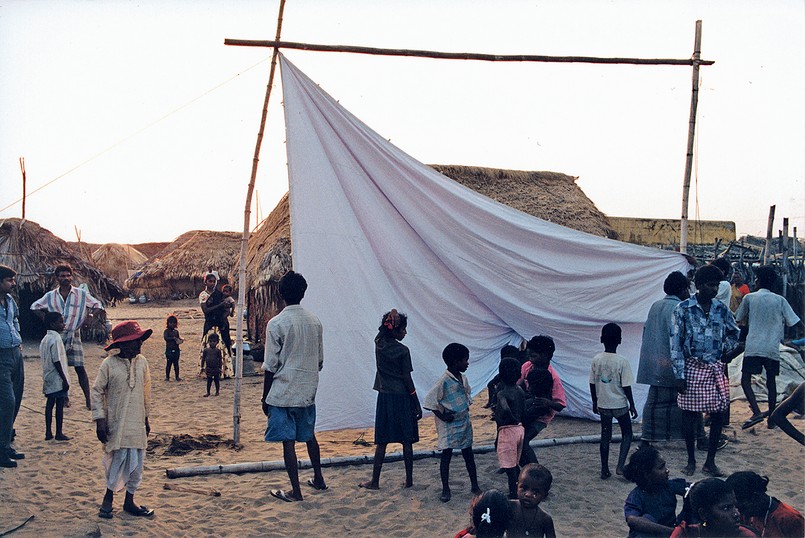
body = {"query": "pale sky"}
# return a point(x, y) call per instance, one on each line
point(149, 122)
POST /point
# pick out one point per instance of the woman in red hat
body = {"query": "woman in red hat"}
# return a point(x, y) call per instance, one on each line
point(120, 400)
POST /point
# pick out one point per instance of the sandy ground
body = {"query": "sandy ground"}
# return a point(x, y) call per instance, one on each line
point(61, 483)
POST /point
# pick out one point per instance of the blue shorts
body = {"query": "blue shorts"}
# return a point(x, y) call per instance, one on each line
point(291, 423)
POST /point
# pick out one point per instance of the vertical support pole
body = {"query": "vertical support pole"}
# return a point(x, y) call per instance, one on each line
point(769, 227)
point(784, 257)
point(22, 168)
point(694, 104)
point(244, 242)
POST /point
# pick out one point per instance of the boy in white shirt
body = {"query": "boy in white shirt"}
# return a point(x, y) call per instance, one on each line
point(55, 383)
point(611, 390)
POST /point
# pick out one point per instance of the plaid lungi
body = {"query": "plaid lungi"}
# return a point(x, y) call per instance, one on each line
point(707, 388)
point(73, 347)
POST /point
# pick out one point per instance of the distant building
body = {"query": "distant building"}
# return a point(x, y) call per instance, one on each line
point(664, 232)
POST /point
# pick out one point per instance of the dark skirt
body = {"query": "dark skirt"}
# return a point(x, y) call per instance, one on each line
point(395, 419)
point(663, 419)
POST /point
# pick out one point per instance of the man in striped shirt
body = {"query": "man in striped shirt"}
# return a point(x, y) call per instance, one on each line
point(74, 304)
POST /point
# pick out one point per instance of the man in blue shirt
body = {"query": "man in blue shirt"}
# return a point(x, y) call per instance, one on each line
point(703, 337)
point(12, 375)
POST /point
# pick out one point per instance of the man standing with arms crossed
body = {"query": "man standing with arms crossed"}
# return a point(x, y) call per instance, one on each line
point(293, 358)
point(74, 304)
point(12, 374)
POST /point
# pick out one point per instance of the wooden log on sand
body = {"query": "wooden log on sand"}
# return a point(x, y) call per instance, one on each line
point(263, 466)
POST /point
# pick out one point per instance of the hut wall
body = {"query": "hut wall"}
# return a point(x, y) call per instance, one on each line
point(653, 232)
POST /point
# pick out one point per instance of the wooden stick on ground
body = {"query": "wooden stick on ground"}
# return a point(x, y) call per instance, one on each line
point(210, 492)
point(21, 525)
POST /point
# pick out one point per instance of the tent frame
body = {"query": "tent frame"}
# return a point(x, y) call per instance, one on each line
point(695, 61)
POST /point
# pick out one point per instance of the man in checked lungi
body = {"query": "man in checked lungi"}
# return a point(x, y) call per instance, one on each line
point(704, 336)
point(75, 305)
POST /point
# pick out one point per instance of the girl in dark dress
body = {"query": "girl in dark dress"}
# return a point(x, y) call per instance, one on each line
point(398, 408)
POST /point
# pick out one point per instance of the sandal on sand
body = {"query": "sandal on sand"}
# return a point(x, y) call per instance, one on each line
point(281, 495)
point(314, 485)
point(140, 511)
point(756, 419)
point(105, 513)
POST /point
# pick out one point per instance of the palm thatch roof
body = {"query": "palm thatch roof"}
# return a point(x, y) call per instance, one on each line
point(548, 195)
point(178, 271)
point(118, 261)
point(268, 258)
point(34, 253)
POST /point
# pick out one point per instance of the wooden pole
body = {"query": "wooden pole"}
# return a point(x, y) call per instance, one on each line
point(769, 228)
point(694, 104)
point(796, 244)
point(244, 242)
point(22, 167)
point(463, 55)
point(784, 250)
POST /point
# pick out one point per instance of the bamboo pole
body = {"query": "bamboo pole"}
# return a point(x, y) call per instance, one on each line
point(22, 168)
point(341, 461)
point(462, 55)
point(244, 242)
point(694, 104)
point(769, 228)
point(784, 261)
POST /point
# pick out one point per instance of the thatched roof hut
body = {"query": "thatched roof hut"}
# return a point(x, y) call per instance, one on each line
point(548, 195)
point(268, 258)
point(34, 253)
point(178, 271)
point(118, 261)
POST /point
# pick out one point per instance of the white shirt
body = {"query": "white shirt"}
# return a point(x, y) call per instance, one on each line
point(766, 312)
point(52, 351)
point(295, 355)
point(610, 373)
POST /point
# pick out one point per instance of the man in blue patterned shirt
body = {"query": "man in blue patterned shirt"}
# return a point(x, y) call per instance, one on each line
point(12, 375)
point(704, 335)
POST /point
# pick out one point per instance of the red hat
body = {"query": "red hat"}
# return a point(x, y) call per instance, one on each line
point(126, 331)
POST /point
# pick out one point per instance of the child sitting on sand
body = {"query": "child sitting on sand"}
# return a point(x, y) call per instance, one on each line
point(528, 519)
point(211, 363)
point(611, 390)
point(766, 515)
point(491, 514)
point(55, 383)
point(712, 502)
point(450, 402)
point(172, 351)
point(508, 417)
point(650, 508)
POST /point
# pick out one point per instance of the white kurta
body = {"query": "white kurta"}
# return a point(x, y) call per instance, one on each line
point(121, 394)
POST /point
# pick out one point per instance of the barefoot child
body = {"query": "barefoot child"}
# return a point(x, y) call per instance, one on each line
point(398, 408)
point(766, 515)
point(650, 508)
point(611, 390)
point(54, 374)
point(211, 363)
point(450, 402)
point(172, 351)
point(121, 398)
point(528, 519)
point(508, 417)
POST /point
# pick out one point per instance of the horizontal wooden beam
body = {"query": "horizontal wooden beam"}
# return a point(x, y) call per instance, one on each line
point(461, 55)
